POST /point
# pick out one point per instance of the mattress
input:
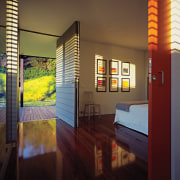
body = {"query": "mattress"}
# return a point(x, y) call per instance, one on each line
point(125, 105)
point(136, 118)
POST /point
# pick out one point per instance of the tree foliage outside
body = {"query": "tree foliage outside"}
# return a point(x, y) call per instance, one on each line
point(3, 62)
point(2, 86)
point(38, 67)
point(39, 81)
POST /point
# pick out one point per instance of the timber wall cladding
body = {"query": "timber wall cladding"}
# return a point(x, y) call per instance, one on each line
point(67, 76)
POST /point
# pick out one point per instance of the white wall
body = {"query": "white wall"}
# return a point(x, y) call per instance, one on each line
point(108, 100)
point(175, 116)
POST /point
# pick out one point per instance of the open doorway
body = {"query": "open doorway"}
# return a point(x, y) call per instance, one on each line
point(37, 76)
point(37, 81)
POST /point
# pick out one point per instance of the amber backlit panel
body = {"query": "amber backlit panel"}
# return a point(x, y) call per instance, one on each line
point(152, 24)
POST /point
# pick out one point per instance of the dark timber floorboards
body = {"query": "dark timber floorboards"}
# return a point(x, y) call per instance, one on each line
point(38, 113)
point(98, 149)
point(32, 113)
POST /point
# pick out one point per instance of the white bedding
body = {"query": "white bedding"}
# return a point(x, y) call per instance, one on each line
point(136, 118)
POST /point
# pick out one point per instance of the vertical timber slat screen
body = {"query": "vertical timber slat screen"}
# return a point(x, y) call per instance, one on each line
point(67, 76)
point(12, 70)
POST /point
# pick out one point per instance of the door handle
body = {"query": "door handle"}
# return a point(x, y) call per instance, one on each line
point(162, 78)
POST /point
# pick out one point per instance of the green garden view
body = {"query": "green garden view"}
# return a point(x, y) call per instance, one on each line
point(39, 76)
point(2, 80)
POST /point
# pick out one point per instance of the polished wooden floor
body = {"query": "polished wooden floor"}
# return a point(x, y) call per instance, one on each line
point(37, 113)
point(51, 149)
point(32, 113)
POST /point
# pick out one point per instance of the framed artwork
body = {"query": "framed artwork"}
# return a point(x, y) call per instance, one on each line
point(125, 84)
point(125, 71)
point(113, 67)
point(101, 84)
point(113, 84)
point(101, 66)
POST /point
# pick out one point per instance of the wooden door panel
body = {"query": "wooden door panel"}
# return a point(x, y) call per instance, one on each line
point(159, 153)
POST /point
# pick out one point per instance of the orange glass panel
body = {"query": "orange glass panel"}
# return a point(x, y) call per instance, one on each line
point(153, 10)
point(153, 39)
point(152, 32)
point(152, 24)
point(152, 17)
point(152, 3)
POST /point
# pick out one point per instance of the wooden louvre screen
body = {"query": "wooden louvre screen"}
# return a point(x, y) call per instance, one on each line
point(12, 100)
point(67, 76)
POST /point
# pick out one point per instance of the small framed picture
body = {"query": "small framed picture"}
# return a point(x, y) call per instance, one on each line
point(125, 84)
point(113, 67)
point(101, 84)
point(125, 71)
point(101, 66)
point(113, 84)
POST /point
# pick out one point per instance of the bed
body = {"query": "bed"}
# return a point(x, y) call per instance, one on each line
point(133, 114)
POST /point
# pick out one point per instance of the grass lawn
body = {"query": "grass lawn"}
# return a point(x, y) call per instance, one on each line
point(40, 91)
point(40, 103)
point(37, 92)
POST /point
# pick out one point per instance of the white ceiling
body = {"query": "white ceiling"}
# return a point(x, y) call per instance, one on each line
point(120, 22)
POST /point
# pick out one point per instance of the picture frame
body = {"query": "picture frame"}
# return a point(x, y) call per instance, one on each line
point(113, 67)
point(101, 66)
point(125, 85)
point(101, 84)
point(113, 84)
point(125, 68)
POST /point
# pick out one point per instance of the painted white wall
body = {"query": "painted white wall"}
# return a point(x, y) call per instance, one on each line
point(175, 116)
point(108, 100)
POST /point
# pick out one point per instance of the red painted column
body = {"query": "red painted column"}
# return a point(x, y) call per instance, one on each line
point(159, 138)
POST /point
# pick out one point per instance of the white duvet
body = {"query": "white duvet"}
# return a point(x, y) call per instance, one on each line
point(136, 118)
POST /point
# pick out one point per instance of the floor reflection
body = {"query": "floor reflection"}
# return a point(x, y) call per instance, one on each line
point(51, 149)
point(37, 138)
point(37, 150)
point(137, 142)
point(121, 156)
